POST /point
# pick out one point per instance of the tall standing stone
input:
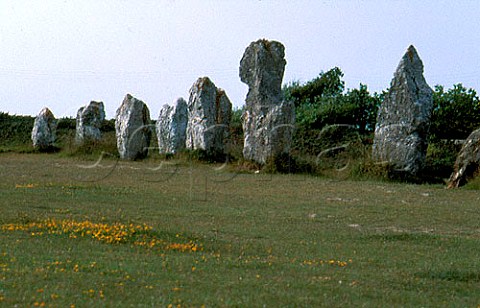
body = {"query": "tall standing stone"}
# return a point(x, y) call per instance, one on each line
point(403, 119)
point(132, 126)
point(89, 122)
point(467, 164)
point(44, 130)
point(209, 115)
point(268, 120)
point(172, 127)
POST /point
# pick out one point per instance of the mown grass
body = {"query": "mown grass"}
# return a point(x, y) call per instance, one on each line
point(264, 240)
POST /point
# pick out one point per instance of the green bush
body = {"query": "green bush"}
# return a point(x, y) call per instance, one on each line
point(329, 120)
point(322, 101)
point(66, 124)
point(441, 156)
point(327, 84)
point(456, 113)
point(108, 126)
point(15, 132)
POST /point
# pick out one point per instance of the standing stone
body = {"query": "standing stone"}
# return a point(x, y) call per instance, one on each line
point(403, 119)
point(467, 164)
point(172, 126)
point(209, 115)
point(132, 126)
point(89, 122)
point(44, 130)
point(268, 120)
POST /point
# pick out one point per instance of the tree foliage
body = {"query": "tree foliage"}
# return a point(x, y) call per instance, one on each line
point(15, 130)
point(323, 101)
point(328, 84)
point(456, 112)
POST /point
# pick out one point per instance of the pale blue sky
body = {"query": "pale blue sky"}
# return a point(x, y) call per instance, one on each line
point(63, 54)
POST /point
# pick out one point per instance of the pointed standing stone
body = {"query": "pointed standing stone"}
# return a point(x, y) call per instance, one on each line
point(132, 126)
point(44, 130)
point(268, 120)
point(89, 122)
point(209, 115)
point(403, 119)
point(172, 126)
point(467, 164)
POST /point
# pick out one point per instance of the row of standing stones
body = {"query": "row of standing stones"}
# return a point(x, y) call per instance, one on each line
point(202, 123)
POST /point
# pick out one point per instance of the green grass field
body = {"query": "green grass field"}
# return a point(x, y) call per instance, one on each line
point(182, 234)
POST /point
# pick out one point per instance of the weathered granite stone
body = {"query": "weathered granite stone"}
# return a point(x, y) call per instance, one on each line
point(467, 164)
point(209, 115)
point(44, 130)
point(89, 122)
point(172, 127)
point(133, 128)
point(268, 120)
point(403, 119)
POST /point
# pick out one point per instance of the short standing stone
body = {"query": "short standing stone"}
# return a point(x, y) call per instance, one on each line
point(44, 130)
point(89, 122)
point(403, 119)
point(172, 126)
point(209, 114)
point(132, 126)
point(467, 164)
point(268, 120)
